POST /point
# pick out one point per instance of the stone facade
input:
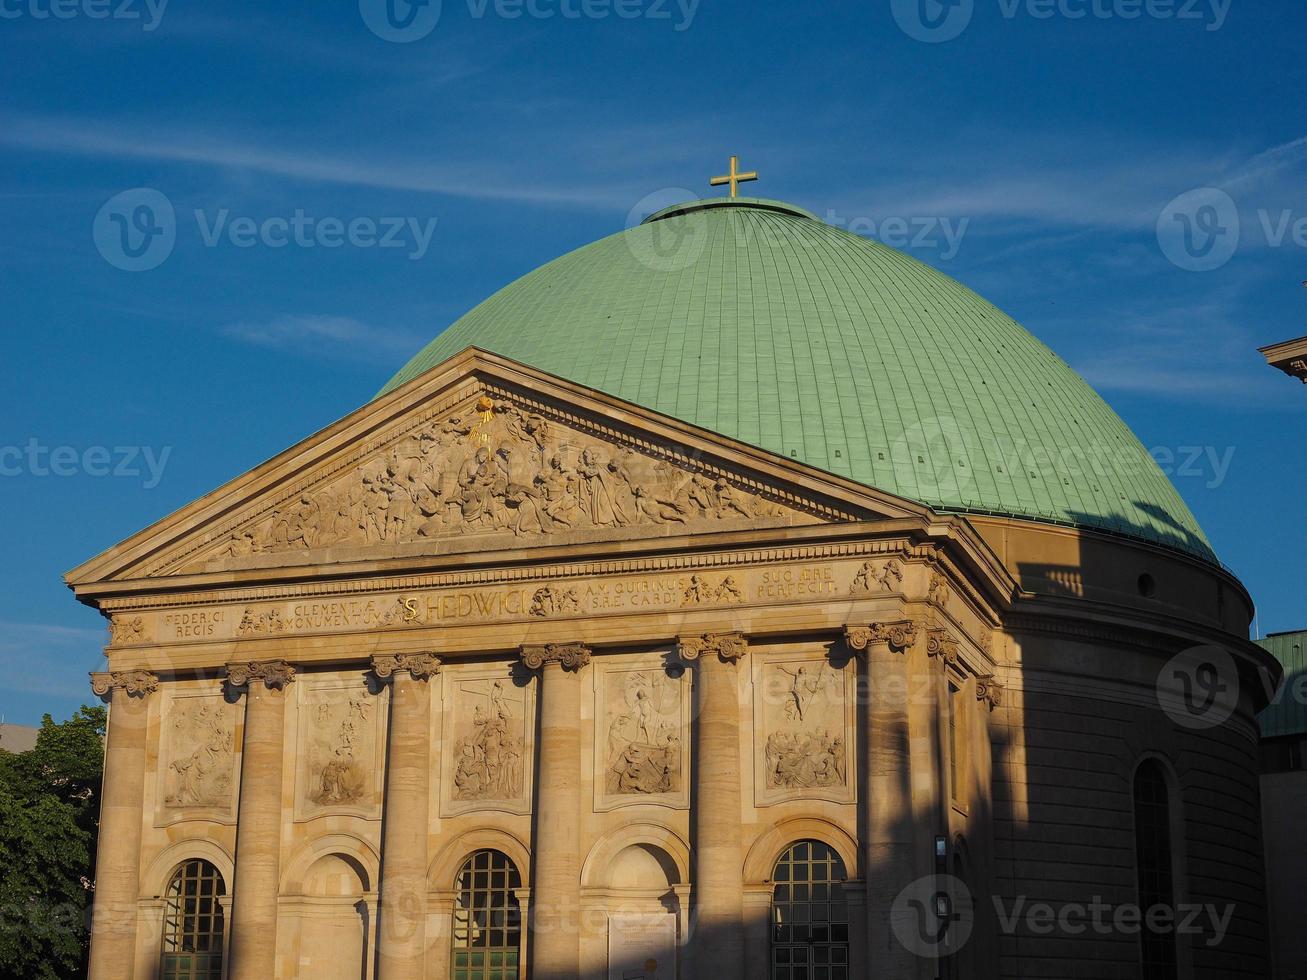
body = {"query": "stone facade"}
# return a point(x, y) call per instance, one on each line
point(496, 611)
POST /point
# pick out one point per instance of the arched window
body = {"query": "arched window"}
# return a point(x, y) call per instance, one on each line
point(487, 921)
point(1153, 866)
point(193, 924)
point(809, 915)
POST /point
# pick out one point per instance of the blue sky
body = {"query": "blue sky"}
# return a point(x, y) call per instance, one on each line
point(1030, 148)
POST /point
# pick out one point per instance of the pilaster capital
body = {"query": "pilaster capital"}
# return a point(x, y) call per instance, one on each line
point(569, 656)
point(729, 648)
point(990, 691)
point(898, 635)
point(420, 666)
point(136, 683)
point(941, 644)
point(274, 673)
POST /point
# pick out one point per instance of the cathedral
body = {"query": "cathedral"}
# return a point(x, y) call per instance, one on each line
point(733, 597)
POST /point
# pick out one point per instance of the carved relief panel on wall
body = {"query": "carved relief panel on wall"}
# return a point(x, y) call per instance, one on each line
point(642, 737)
point(197, 759)
point(804, 714)
point(340, 750)
point(492, 466)
point(488, 725)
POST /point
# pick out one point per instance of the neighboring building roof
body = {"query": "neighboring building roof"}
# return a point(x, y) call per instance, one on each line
point(1287, 714)
point(17, 738)
point(756, 320)
point(1289, 356)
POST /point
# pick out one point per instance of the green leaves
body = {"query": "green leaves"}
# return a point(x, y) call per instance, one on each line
point(49, 805)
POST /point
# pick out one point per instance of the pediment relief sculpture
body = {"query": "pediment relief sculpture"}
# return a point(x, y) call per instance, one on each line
point(494, 469)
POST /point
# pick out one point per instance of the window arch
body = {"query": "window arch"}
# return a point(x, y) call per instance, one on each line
point(809, 914)
point(193, 923)
point(1154, 866)
point(487, 939)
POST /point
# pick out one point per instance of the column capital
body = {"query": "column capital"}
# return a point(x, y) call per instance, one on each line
point(136, 683)
point(569, 656)
point(898, 635)
point(420, 666)
point(273, 673)
point(989, 691)
point(943, 645)
point(730, 648)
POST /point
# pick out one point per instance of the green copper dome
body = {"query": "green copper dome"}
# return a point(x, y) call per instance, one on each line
point(756, 320)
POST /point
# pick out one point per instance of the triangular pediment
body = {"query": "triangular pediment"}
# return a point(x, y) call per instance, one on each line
point(482, 454)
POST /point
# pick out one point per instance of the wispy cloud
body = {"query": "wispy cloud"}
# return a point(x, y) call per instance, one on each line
point(125, 140)
point(326, 335)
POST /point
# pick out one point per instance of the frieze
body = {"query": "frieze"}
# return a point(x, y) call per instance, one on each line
point(872, 577)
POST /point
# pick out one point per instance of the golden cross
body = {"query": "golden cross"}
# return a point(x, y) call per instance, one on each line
point(733, 178)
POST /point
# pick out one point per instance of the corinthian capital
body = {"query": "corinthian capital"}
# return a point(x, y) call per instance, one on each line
point(569, 656)
point(420, 666)
point(941, 644)
point(273, 673)
point(729, 648)
point(897, 635)
point(137, 683)
point(989, 691)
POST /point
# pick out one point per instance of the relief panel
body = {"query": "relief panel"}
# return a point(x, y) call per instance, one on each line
point(489, 735)
point(804, 717)
point(642, 738)
point(340, 755)
point(197, 759)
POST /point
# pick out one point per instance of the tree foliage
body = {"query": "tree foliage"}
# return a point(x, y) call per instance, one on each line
point(49, 805)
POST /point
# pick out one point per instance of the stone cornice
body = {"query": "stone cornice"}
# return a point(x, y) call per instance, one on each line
point(420, 666)
point(569, 656)
point(898, 635)
point(136, 683)
point(273, 673)
point(729, 648)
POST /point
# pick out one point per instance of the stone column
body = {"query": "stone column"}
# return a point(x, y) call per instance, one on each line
point(401, 936)
point(891, 832)
point(555, 916)
point(718, 858)
point(258, 829)
point(117, 862)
